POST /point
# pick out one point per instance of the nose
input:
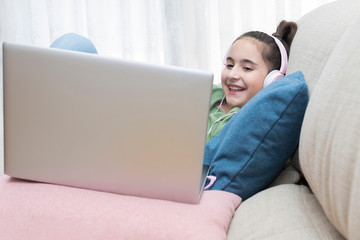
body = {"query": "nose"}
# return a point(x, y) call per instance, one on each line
point(235, 73)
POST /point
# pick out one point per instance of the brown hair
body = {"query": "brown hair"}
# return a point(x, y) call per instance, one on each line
point(285, 32)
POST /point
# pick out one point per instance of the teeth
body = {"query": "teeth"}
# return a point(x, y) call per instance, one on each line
point(232, 88)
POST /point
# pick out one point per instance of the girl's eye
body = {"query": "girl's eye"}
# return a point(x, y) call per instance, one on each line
point(247, 69)
point(229, 65)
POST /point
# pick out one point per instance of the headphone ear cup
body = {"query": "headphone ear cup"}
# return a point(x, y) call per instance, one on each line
point(272, 76)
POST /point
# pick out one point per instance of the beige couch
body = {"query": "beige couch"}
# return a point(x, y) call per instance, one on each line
point(325, 206)
point(327, 49)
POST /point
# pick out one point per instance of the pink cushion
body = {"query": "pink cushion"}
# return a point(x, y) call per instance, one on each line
point(46, 211)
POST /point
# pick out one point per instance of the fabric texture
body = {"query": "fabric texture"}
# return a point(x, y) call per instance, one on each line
point(287, 176)
point(254, 145)
point(30, 210)
point(329, 148)
point(311, 50)
point(284, 212)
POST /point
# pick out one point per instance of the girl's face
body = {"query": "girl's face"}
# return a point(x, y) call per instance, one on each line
point(244, 72)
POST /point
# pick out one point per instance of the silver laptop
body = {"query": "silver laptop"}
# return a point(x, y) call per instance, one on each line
point(101, 123)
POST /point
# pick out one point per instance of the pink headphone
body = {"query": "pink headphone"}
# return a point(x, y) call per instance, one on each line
point(276, 74)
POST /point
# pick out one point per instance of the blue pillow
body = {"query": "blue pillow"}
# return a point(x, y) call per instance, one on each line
point(254, 145)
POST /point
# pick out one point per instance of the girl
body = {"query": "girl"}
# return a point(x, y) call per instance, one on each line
point(251, 57)
point(246, 151)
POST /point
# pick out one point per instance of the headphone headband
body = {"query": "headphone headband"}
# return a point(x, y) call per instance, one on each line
point(284, 58)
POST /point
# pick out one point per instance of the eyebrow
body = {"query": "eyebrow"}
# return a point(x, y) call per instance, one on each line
point(242, 60)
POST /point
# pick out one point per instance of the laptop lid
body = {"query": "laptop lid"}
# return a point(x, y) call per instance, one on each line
point(105, 124)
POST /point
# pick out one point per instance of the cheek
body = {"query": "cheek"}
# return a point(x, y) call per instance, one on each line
point(223, 75)
point(259, 85)
point(259, 82)
point(254, 87)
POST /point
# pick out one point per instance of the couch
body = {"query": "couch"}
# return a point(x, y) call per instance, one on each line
point(316, 196)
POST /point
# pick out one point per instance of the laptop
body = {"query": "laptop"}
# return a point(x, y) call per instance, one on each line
point(102, 123)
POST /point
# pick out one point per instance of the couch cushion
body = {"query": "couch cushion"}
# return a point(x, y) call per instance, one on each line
point(288, 175)
point(284, 212)
point(317, 35)
point(30, 210)
point(330, 139)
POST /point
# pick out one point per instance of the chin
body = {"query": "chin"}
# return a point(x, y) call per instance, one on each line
point(236, 100)
point(235, 104)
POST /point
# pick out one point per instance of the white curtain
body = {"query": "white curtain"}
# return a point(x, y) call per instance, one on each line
point(188, 33)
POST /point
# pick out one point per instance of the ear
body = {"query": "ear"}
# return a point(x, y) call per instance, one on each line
point(272, 76)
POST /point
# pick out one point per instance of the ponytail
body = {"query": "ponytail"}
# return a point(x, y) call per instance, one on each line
point(285, 32)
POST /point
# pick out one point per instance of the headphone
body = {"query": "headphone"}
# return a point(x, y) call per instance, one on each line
point(276, 74)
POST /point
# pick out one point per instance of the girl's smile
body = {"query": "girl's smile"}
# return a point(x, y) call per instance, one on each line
point(234, 89)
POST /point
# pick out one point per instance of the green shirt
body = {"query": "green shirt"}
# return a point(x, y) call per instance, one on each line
point(217, 118)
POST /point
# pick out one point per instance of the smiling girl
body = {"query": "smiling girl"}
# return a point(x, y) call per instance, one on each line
point(250, 59)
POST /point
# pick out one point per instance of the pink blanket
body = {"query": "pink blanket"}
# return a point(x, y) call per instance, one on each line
point(30, 210)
